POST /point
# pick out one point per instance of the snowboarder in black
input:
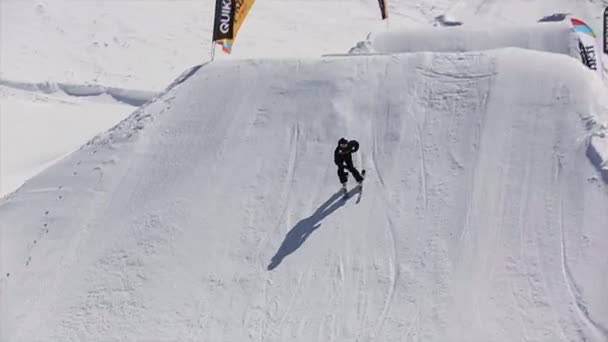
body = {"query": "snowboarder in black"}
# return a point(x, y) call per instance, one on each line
point(344, 160)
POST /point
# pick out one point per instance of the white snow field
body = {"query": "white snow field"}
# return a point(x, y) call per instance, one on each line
point(143, 45)
point(213, 213)
point(37, 129)
point(146, 44)
point(550, 37)
point(140, 45)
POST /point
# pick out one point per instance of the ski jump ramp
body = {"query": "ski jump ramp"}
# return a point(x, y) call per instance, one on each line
point(211, 213)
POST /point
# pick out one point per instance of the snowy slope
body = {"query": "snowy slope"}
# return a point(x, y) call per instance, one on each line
point(481, 220)
point(550, 37)
point(210, 216)
point(517, 12)
point(145, 44)
point(139, 45)
point(103, 42)
point(38, 129)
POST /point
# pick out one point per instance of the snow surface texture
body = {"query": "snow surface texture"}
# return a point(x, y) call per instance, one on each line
point(482, 218)
point(39, 128)
point(102, 44)
point(551, 37)
point(127, 96)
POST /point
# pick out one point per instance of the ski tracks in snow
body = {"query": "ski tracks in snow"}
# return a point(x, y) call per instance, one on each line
point(285, 192)
point(264, 246)
point(422, 167)
point(393, 266)
point(573, 289)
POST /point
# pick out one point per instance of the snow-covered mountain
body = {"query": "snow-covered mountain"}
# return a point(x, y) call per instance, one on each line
point(213, 212)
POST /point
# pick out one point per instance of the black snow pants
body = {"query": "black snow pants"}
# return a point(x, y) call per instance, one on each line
point(350, 168)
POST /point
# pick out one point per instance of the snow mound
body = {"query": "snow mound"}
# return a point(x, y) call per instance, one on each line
point(38, 128)
point(127, 96)
point(480, 218)
point(549, 37)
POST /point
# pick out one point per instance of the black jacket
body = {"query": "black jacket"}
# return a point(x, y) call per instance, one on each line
point(344, 156)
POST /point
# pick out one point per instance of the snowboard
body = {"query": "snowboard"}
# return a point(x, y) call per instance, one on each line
point(359, 186)
point(362, 179)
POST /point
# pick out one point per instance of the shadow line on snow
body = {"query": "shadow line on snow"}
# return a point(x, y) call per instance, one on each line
point(302, 230)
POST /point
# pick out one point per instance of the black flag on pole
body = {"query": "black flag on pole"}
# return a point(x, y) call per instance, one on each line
point(383, 9)
point(223, 26)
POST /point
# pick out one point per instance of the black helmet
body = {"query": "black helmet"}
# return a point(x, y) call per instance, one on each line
point(343, 142)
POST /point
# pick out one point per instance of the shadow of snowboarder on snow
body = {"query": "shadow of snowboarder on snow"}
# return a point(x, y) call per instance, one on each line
point(302, 230)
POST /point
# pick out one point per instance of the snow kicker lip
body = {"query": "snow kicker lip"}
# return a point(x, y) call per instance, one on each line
point(130, 97)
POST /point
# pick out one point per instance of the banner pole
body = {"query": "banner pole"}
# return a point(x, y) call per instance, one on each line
point(212, 51)
point(606, 31)
point(213, 30)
